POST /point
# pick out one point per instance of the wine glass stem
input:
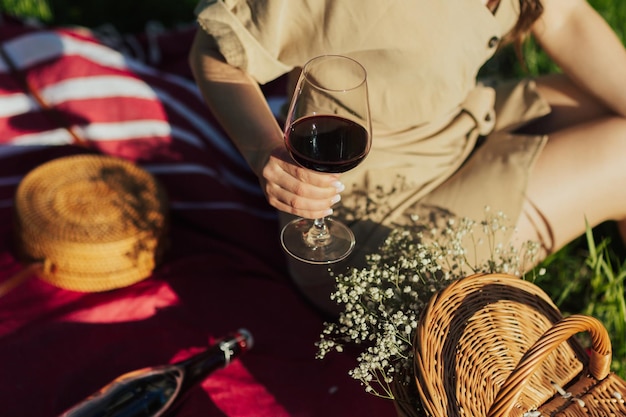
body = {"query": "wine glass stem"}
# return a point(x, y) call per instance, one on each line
point(318, 234)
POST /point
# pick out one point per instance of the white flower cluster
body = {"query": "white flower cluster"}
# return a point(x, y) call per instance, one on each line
point(383, 301)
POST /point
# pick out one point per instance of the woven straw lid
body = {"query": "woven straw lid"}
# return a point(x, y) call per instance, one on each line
point(96, 222)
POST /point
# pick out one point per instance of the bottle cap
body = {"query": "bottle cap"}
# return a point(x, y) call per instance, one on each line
point(248, 339)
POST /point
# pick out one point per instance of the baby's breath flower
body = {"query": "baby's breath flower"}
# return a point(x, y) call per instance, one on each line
point(382, 301)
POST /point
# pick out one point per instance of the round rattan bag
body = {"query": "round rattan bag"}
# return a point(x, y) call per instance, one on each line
point(96, 222)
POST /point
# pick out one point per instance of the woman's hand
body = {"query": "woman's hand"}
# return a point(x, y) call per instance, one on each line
point(239, 105)
point(296, 190)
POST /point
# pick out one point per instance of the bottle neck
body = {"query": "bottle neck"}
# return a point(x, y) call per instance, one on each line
point(197, 367)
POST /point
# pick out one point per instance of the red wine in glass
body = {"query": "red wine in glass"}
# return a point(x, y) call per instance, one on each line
point(327, 143)
point(328, 129)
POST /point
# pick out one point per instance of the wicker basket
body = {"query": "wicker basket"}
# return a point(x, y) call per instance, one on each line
point(96, 222)
point(495, 345)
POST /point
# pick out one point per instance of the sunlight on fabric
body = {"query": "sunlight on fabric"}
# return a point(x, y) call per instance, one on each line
point(125, 130)
point(99, 132)
point(32, 49)
point(41, 48)
point(35, 48)
point(249, 395)
point(93, 87)
point(14, 104)
point(140, 304)
point(49, 137)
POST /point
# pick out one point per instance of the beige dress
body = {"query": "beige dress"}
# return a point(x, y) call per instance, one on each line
point(428, 111)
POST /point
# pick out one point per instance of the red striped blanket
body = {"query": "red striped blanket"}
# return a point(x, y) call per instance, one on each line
point(224, 268)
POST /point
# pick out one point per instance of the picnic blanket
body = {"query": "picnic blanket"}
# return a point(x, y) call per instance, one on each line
point(68, 91)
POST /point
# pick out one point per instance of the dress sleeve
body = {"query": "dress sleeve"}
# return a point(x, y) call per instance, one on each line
point(251, 35)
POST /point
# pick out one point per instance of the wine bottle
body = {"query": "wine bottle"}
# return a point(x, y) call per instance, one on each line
point(150, 392)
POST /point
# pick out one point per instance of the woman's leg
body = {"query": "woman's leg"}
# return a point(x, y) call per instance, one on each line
point(581, 173)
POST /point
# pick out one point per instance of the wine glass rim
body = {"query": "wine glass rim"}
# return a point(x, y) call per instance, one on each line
point(312, 61)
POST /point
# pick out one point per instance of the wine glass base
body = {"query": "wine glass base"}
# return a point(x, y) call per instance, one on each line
point(338, 246)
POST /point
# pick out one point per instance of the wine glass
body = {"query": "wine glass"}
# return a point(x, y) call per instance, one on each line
point(328, 129)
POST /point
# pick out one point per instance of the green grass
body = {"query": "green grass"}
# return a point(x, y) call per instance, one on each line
point(126, 16)
point(587, 276)
point(28, 8)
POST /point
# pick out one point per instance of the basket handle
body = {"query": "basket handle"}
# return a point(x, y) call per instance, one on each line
point(599, 362)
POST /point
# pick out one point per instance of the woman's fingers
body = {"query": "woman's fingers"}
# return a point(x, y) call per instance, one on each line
point(297, 203)
point(299, 191)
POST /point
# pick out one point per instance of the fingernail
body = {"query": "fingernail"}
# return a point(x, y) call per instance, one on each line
point(335, 199)
point(339, 186)
point(328, 212)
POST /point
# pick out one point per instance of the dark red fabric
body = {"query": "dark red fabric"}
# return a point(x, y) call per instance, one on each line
point(224, 268)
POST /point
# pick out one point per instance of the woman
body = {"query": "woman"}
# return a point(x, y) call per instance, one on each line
point(547, 152)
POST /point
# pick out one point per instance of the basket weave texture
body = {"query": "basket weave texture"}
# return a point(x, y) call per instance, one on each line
point(96, 222)
point(496, 345)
